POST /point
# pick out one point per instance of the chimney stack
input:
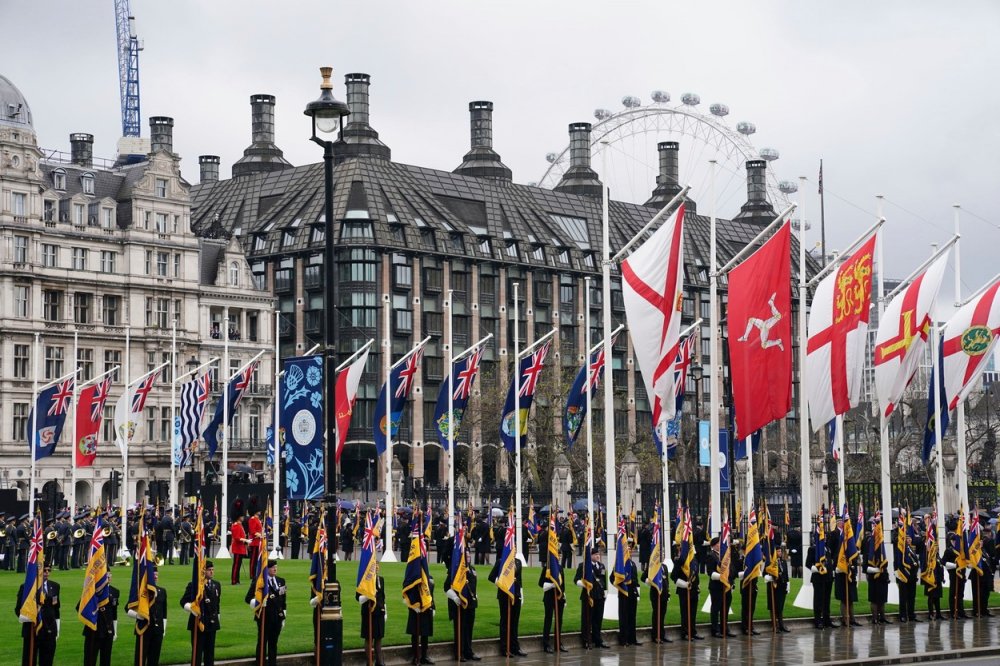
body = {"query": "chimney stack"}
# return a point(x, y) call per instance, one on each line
point(580, 178)
point(757, 209)
point(82, 149)
point(262, 156)
point(482, 161)
point(209, 165)
point(668, 182)
point(358, 138)
point(161, 134)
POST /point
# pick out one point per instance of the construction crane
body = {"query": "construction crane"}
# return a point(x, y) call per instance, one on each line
point(128, 67)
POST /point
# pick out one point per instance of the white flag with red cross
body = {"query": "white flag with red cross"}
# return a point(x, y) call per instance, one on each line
point(968, 341)
point(652, 288)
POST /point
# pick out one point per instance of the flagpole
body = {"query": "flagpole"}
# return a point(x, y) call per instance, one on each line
point(838, 438)
point(611, 604)
point(517, 426)
point(223, 553)
point(276, 551)
point(805, 597)
point(715, 482)
point(669, 561)
point(127, 440)
point(34, 429)
point(589, 417)
point(72, 453)
point(387, 553)
point(173, 416)
point(961, 469)
point(936, 389)
point(451, 425)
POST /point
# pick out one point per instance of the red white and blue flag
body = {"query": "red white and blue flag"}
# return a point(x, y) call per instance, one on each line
point(576, 401)
point(88, 421)
point(129, 408)
point(50, 410)
point(236, 388)
point(529, 370)
point(400, 383)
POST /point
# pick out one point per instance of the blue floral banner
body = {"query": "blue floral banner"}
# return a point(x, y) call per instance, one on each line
point(301, 431)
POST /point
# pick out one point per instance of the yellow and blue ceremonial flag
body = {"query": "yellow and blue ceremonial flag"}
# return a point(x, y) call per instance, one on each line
point(367, 574)
point(317, 568)
point(753, 558)
point(142, 576)
point(929, 575)
point(771, 551)
point(30, 601)
point(655, 577)
point(198, 576)
point(974, 543)
point(848, 546)
point(621, 575)
point(821, 541)
point(554, 567)
point(459, 564)
point(416, 583)
point(95, 581)
point(588, 579)
point(506, 581)
point(902, 568)
point(260, 583)
point(687, 551)
point(725, 555)
point(524, 383)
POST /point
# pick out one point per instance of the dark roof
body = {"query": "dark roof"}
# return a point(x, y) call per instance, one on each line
point(106, 183)
point(209, 258)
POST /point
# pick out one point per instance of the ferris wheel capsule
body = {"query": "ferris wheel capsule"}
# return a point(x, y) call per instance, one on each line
point(746, 128)
point(719, 110)
point(631, 102)
point(661, 96)
point(788, 187)
point(551, 157)
point(769, 154)
point(690, 99)
point(602, 114)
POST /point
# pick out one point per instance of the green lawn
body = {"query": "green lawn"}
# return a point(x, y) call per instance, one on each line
point(236, 638)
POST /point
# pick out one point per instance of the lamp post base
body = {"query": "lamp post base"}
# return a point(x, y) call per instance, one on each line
point(223, 553)
point(804, 599)
point(276, 554)
point(389, 556)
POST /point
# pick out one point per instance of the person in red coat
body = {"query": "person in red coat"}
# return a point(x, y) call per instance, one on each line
point(255, 530)
point(238, 548)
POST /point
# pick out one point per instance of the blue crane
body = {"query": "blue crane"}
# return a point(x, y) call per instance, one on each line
point(128, 67)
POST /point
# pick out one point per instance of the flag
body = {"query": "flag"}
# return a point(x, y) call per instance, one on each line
point(821, 542)
point(621, 576)
point(902, 335)
point(859, 529)
point(687, 549)
point(187, 429)
point(770, 549)
point(930, 433)
point(317, 568)
point(95, 582)
point(143, 566)
point(588, 579)
point(464, 376)
point(554, 569)
point(831, 435)
point(576, 401)
point(876, 545)
point(653, 289)
point(31, 607)
point(929, 575)
point(903, 570)
point(759, 314)
point(51, 408)
point(655, 570)
point(198, 576)
point(725, 555)
point(682, 365)
point(301, 430)
point(962, 559)
point(848, 545)
point(753, 559)
point(236, 388)
point(529, 371)
point(416, 586)
point(506, 581)
point(967, 343)
point(348, 381)
point(129, 409)
point(366, 582)
point(89, 411)
point(260, 584)
point(400, 381)
point(974, 543)
point(460, 565)
point(838, 335)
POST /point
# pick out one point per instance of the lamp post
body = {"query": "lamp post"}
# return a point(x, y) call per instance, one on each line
point(327, 114)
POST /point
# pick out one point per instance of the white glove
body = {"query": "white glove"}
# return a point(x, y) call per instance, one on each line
point(768, 578)
point(968, 570)
point(282, 624)
point(453, 595)
point(872, 570)
point(716, 576)
point(950, 565)
point(361, 600)
point(579, 583)
point(638, 594)
point(58, 627)
point(547, 586)
point(740, 575)
point(132, 614)
point(115, 623)
point(521, 596)
point(433, 611)
point(814, 569)
point(164, 626)
point(187, 607)
point(314, 602)
point(794, 551)
point(682, 584)
point(254, 603)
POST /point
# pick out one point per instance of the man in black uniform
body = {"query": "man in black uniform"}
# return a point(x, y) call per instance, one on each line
point(373, 615)
point(22, 543)
point(440, 537)
point(687, 595)
point(203, 627)
point(592, 602)
point(295, 536)
point(98, 642)
point(554, 602)
point(777, 591)
point(271, 619)
point(821, 579)
point(466, 614)
point(566, 539)
point(149, 636)
point(185, 538)
point(64, 537)
point(658, 600)
point(510, 611)
point(48, 618)
point(956, 579)
point(721, 598)
point(420, 627)
point(481, 537)
point(794, 544)
point(984, 580)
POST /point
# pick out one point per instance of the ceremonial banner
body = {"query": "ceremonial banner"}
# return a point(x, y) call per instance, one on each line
point(187, 427)
point(760, 334)
point(89, 411)
point(95, 582)
point(967, 343)
point(400, 381)
point(576, 401)
point(236, 388)
point(348, 381)
point(529, 369)
point(464, 376)
point(50, 411)
point(129, 408)
point(301, 433)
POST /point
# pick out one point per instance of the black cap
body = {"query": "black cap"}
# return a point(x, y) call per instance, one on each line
point(272, 563)
point(209, 564)
point(715, 540)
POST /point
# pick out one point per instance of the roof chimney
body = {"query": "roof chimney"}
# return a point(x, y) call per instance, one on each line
point(209, 165)
point(580, 178)
point(82, 149)
point(482, 161)
point(161, 134)
point(262, 155)
point(358, 138)
point(668, 182)
point(757, 209)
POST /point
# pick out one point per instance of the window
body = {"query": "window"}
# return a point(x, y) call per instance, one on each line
point(21, 309)
point(88, 183)
point(54, 362)
point(20, 249)
point(150, 423)
point(434, 323)
point(108, 261)
point(164, 425)
point(49, 210)
point(460, 281)
point(79, 259)
point(147, 218)
point(234, 274)
point(113, 359)
point(177, 311)
point(253, 326)
point(149, 262)
point(59, 180)
point(52, 305)
point(156, 311)
point(20, 431)
point(82, 307)
point(433, 279)
point(360, 266)
point(22, 358)
point(161, 223)
point(162, 260)
point(50, 256)
point(85, 361)
point(108, 424)
point(356, 230)
point(177, 265)
point(161, 188)
point(17, 202)
point(110, 307)
point(360, 308)
point(79, 214)
point(107, 218)
point(255, 423)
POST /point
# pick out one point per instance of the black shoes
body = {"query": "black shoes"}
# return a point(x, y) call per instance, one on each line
point(731, 634)
point(783, 629)
point(547, 649)
point(603, 645)
point(855, 623)
point(426, 661)
point(563, 648)
point(521, 653)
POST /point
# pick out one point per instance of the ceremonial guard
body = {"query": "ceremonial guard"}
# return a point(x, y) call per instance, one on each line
point(845, 582)
point(294, 537)
point(166, 529)
point(592, 601)
point(777, 591)
point(628, 604)
point(373, 615)
point(114, 535)
point(21, 534)
point(420, 627)
point(658, 601)
point(748, 598)
point(933, 582)
point(98, 642)
point(721, 594)
point(255, 532)
point(347, 541)
point(10, 543)
point(910, 567)
point(64, 539)
point(821, 580)
point(481, 537)
point(956, 578)
point(553, 604)
point(185, 538)
point(687, 595)
point(510, 610)
point(204, 626)
point(467, 615)
point(272, 619)
point(149, 643)
point(46, 632)
point(877, 575)
point(238, 548)
point(982, 579)
point(566, 540)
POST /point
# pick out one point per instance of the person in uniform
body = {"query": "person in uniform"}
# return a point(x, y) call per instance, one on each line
point(592, 602)
point(721, 598)
point(185, 538)
point(658, 600)
point(821, 579)
point(628, 606)
point(166, 528)
point(467, 615)
point(22, 543)
point(295, 537)
point(932, 592)
point(46, 632)
point(205, 626)
point(794, 542)
point(98, 642)
point(982, 580)
point(255, 532)
point(878, 579)
point(553, 605)
point(566, 538)
point(420, 627)
point(238, 549)
point(481, 537)
point(687, 595)
point(373, 615)
point(347, 541)
point(510, 611)
point(777, 591)
point(956, 579)
point(908, 590)
point(272, 619)
point(64, 538)
point(645, 544)
point(149, 642)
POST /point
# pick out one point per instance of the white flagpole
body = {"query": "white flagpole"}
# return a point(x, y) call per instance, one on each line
point(838, 438)
point(127, 440)
point(173, 416)
point(276, 552)
point(72, 453)
point(962, 468)
point(936, 389)
point(34, 427)
point(715, 481)
point(664, 548)
point(517, 427)
point(451, 425)
point(611, 524)
point(224, 553)
point(805, 597)
point(388, 554)
point(589, 417)
point(890, 553)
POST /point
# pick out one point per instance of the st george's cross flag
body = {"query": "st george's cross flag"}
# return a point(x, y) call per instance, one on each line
point(838, 335)
point(653, 290)
point(903, 334)
point(760, 334)
point(400, 382)
point(348, 381)
point(463, 377)
point(89, 412)
point(529, 370)
point(967, 343)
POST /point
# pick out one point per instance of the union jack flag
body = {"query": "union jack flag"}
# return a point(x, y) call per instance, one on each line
point(242, 383)
point(62, 397)
point(101, 390)
point(407, 372)
point(596, 368)
point(465, 377)
point(534, 369)
point(142, 392)
point(681, 366)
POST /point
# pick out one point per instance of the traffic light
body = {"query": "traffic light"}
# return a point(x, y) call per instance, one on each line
point(116, 480)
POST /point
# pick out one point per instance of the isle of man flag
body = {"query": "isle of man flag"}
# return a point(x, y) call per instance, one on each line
point(968, 341)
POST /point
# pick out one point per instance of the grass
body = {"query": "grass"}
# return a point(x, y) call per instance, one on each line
point(236, 638)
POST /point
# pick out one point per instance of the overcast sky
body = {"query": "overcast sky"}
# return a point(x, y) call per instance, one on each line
point(898, 98)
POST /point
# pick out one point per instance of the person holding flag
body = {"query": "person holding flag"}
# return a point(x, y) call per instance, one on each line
point(267, 597)
point(846, 577)
point(624, 578)
point(553, 587)
point(370, 593)
point(202, 599)
point(506, 575)
point(590, 578)
point(147, 604)
point(685, 575)
point(933, 573)
point(821, 577)
point(720, 586)
point(35, 604)
point(974, 559)
point(876, 569)
point(460, 586)
point(317, 576)
point(656, 576)
point(956, 562)
point(98, 607)
point(418, 593)
point(753, 563)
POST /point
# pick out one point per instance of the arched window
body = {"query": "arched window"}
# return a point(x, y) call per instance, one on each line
point(234, 274)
